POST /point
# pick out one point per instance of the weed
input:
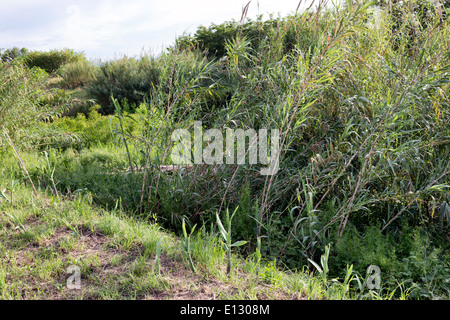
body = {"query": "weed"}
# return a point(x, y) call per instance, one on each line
point(186, 245)
point(226, 234)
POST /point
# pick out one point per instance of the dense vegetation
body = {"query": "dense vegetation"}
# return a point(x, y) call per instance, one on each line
point(360, 94)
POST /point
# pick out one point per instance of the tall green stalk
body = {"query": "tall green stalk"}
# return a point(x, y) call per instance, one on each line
point(226, 234)
point(121, 130)
point(187, 245)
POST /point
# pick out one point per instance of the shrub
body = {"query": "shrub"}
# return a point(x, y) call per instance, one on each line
point(364, 135)
point(426, 270)
point(127, 79)
point(162, 79)
point(212, 39)
point(76, 74)
point(52, 60)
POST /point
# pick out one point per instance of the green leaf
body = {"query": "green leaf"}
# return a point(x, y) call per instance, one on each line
point(221, 228)
point(438, 187)
point(316, 265)
point(193, 228)
point(131, 118)
point(348, 274)
point(239, 243)
point(184, 229)
point(234, 212)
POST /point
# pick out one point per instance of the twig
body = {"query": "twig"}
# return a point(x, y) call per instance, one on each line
point(20, 159)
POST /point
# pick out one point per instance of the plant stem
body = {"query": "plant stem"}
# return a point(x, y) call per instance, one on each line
point(20, 159)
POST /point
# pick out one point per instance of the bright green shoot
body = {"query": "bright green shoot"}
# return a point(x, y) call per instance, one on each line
point(187, 245)
point(75, 231)
point(226, 234)
point(258, 249)
point(120, 131)
point(324, 262)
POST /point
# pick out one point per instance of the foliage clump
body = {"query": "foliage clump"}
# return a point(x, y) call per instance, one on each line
point(52, 60)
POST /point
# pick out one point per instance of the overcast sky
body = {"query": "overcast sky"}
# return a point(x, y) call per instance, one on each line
point(110, 28)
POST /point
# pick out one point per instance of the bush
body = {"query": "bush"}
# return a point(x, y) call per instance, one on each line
point(161, 80)
point(212, 39)
point(90, 131)
point(52, 60)
point(76, 74)
point(426, 269)
point(127, 79)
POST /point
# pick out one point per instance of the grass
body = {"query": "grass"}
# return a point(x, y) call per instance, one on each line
point(41, 237)
point(124, 257)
